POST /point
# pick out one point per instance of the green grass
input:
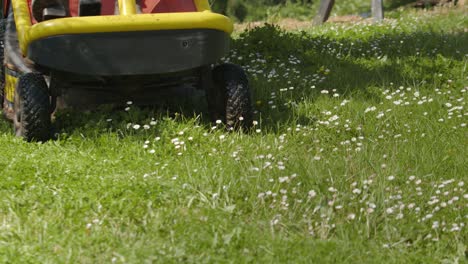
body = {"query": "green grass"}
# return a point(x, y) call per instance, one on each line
point(359, 157)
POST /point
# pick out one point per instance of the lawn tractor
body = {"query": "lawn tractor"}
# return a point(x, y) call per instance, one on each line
point(63, 53)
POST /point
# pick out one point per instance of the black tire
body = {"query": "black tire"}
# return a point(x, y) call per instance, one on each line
point(229, 97)
point(32, 119)
point(2, 67)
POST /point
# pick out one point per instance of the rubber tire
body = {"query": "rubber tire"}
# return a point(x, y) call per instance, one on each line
point(229, 97)
point(2, 67)
point(32, 119)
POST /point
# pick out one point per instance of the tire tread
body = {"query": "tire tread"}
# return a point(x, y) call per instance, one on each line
point(232, 84)
point(35, 108)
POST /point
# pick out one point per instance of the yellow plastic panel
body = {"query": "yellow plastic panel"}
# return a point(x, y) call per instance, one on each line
point(22, 21)
point(10, 85)
point(140, 22)
point(127, 7)
point(202, 5)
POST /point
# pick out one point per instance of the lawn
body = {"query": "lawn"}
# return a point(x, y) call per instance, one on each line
point(358, 155)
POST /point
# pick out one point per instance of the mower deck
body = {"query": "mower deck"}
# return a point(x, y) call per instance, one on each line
point(130, 53)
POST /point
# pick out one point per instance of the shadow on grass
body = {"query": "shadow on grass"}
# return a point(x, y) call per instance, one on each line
point(355, 65)
point(118, 118)
point(5, 126)
point(398, 3)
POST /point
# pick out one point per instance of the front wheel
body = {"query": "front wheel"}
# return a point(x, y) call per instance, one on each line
point(32, 119)
point(229, 96)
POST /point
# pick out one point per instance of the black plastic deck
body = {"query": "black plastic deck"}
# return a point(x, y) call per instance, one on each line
point(130, 53)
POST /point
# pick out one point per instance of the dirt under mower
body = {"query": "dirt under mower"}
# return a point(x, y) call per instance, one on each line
point(72, 53)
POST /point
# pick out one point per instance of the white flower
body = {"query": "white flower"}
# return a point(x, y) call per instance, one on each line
point(333, 118)
point(274, 221)
point(136, 126)
point(370, 109)
point(312, 194)
point(283, 179)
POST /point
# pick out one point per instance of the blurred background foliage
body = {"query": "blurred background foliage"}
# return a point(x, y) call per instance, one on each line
point(271, 10)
